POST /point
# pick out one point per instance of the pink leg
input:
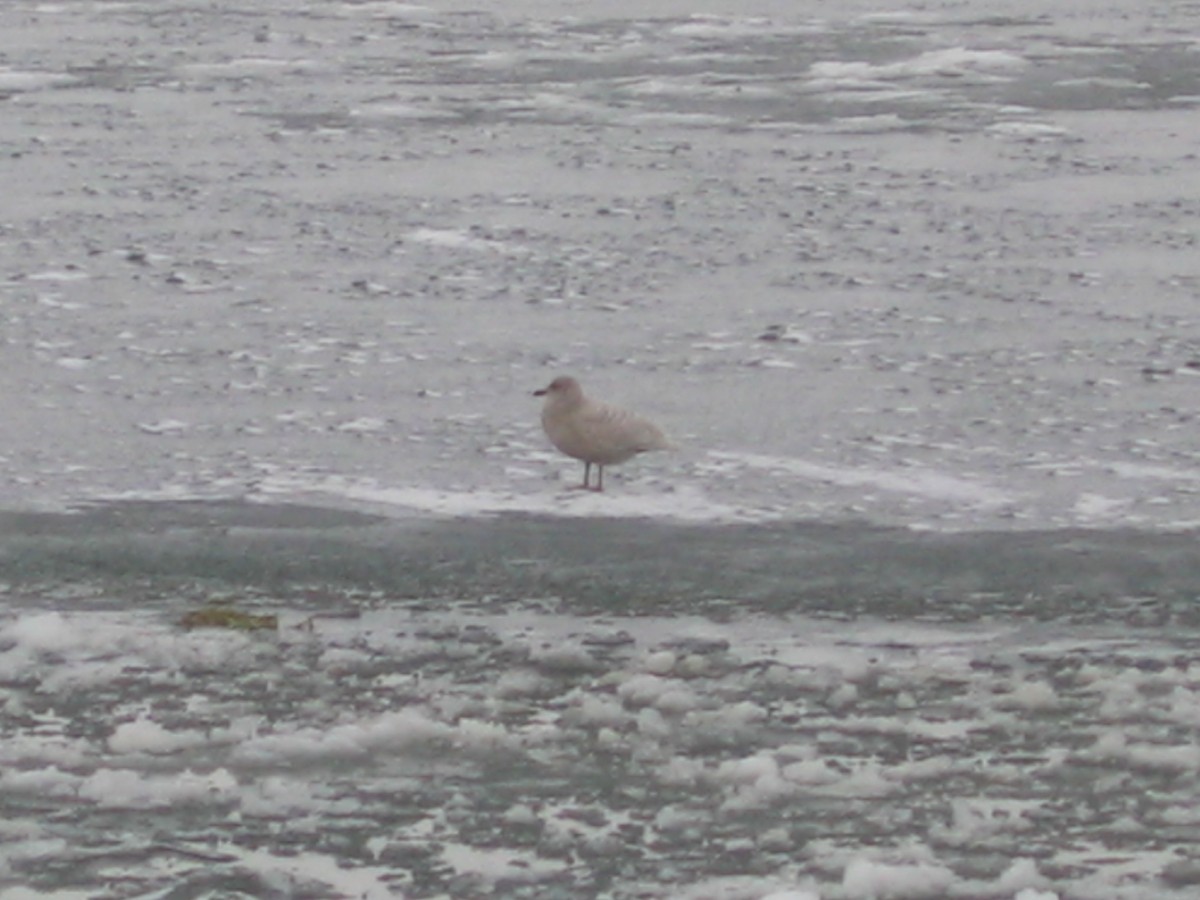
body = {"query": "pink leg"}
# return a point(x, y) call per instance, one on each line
point(587, 478)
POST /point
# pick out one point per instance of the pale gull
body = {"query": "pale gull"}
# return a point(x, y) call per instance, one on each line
point(594, 432)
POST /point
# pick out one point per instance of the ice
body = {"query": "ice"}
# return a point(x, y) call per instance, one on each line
point(953, 61)
point(292, 873)
point(452, 239)
point(866, 879)
point(146, 736)
point(41, 633)
point(755, 781)
point(277, 796)
point(713, 27)
point(865, 781)
point(644, 689)
point(1032, 696)
point(21, 893)
point(133, 789)
point(48, 782)
point(17, 80)
point(490, 866)
point(456, 709)
point(684, 504)
point(1028, 131)
point(1165, 757)
point(1023, 877)
point(249, 66)
point(928, 484)
point(380, 734)
point(812, 772)
point(742, 888)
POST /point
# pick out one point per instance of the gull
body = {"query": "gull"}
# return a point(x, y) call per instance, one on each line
point(594, 432)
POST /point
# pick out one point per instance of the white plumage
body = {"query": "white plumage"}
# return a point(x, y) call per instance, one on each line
point(594, 432)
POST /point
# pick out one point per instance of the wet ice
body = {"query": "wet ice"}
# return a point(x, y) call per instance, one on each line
point(426, 730)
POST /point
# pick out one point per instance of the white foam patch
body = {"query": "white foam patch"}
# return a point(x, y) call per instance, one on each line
point(380, 9)
point(917, 482)
point(400, 111)
point(955, 62)
point(682, 504)
point(24, 893)
point(1157, 757)
point(249, 66)
point(289, 873)
point(1149, 471)
point(21, 80)
point(455, 239)
point(146, 736)
point(48, 782)
point(135, 789)
point(715, 27)
point(1097, 507)
point(352, 740)
point(735, 887)
point(48, 632)
point(1027, 131)
point(490, 865)
point(866, 879)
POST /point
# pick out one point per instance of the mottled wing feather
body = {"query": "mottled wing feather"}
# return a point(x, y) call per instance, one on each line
point(613, 434)
point(599, 433)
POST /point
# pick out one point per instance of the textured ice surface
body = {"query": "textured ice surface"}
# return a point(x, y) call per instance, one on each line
point(377, 747)
point(932, 267)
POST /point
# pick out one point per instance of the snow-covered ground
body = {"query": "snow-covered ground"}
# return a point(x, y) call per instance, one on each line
point(932, 266)
point(924, 266)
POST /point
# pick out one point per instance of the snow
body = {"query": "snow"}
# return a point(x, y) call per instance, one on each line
point(950, 314)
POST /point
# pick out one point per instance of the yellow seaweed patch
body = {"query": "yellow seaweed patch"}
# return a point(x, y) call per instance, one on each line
point(228, 617)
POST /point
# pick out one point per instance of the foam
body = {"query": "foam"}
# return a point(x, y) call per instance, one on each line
point(147, 736)
point(382, 733)
point(952, 61)
point(867, 879)
point(133, 789)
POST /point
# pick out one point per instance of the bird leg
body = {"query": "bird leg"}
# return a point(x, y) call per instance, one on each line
point(587, 478)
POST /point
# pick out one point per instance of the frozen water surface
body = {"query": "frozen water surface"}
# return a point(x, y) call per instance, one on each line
point(911, 611)
point(548, 707)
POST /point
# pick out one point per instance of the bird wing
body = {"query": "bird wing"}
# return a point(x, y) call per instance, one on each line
point(617, 434)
